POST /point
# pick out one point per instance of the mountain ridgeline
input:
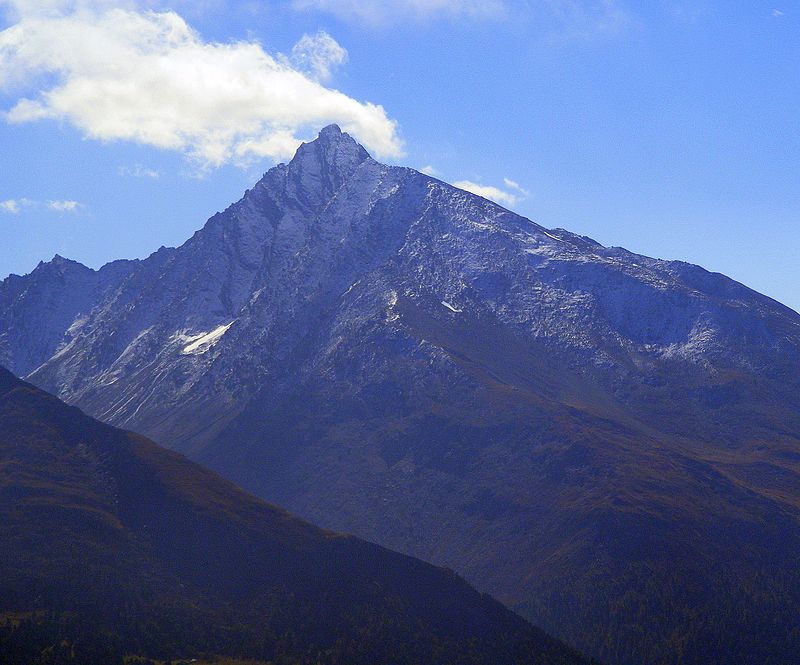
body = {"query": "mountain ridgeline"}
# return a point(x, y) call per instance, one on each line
point(114, 546)
point(606, 442)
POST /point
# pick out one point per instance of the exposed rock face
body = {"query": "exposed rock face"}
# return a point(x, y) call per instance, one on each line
point(609, 442)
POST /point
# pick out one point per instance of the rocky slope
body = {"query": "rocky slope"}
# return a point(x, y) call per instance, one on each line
point(114, 546)
point(608, 442)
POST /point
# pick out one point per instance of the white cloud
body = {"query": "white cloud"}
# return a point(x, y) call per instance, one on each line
point(383, 11)
point(318, 55)
point(15, 206)
point(147, 77)
point(10, 206)
point(63, 206)
point(430, 170)
point(487, 191)
point(777, 13)
point(512, 184)
point(139, 171)
point(495, 194)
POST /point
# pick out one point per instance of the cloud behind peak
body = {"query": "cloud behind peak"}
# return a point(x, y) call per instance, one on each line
point(147, 77)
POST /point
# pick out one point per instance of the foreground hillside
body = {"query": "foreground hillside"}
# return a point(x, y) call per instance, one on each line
point(113, 546)
point(607, 442)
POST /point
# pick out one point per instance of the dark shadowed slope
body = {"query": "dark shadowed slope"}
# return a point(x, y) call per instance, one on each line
point(119, 546)
point(606, 441)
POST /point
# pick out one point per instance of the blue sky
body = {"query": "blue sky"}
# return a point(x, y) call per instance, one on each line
point(669, 128)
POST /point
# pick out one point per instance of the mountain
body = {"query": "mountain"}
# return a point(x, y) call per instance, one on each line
point(606, 442)
point(117, 546)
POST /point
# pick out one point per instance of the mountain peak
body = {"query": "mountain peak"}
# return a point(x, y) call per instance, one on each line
point(332, 138)
point(61, 263)
point(330, 130)
point(321, 166)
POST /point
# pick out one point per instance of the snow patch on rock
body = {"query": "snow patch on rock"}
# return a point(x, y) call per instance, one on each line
point(204, 341)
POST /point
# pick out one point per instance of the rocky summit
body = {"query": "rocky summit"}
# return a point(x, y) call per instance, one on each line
point(607, 442)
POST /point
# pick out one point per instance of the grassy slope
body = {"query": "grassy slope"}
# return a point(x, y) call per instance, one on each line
point(121, 546)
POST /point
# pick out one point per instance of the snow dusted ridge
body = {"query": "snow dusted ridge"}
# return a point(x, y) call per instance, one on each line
point(335, 231)
point(204, 341)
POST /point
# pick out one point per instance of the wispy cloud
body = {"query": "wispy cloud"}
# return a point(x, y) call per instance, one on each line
point(496, 194)
point(15, 206)
point(559, 20)
point(147, 77)
point(777, 13)
point(139, 171)
point(10, 206)
point(582, 19)
point(387, 11)
point(318, 55)
point(63, 206)
point(430, 170)
point(515, 186)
